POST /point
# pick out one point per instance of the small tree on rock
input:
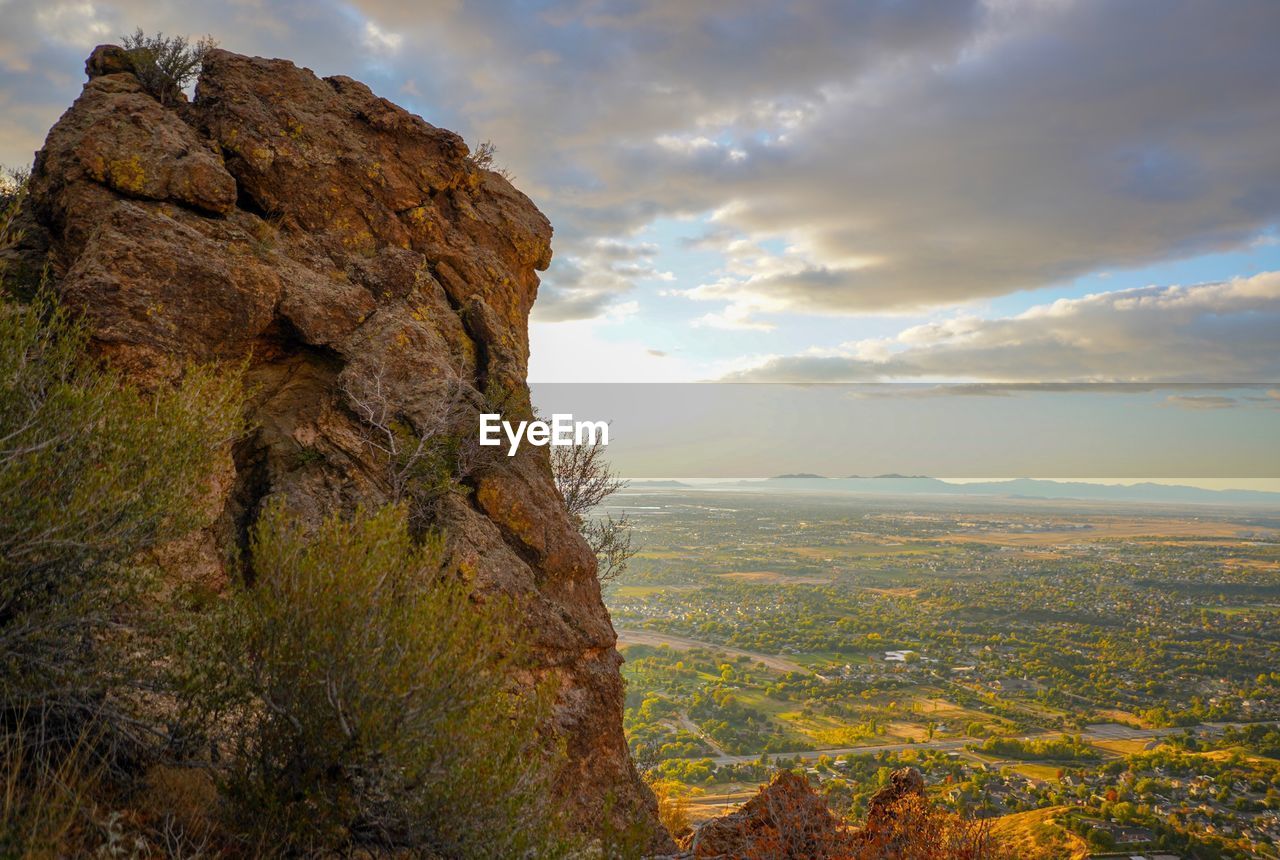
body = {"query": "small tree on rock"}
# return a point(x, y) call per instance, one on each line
point(165, 65)
point(584, 478)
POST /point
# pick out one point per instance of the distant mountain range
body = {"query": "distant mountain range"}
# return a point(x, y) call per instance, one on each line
point(1029, 488)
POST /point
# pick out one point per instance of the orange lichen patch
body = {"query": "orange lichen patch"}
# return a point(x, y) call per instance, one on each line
point(127, 175)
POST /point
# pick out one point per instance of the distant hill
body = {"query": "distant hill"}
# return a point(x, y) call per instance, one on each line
point(1022, 488)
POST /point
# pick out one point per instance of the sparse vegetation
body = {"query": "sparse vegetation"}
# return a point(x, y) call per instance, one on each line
point(165, 65)
point(484, 157)
point(584, 478)
point(45, 805)
point(425, 457)
point(92, 472)
point(912, 828)
point(366, 701)
point(13, 190)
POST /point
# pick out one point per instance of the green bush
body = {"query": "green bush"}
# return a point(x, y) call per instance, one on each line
point(92, 472)
point(166, 64)
point(366, 701)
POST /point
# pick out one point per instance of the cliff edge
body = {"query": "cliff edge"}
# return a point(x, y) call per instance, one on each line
point(368, 273)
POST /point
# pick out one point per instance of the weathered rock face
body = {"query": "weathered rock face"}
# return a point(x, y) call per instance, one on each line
point(788, 820)
point(349, 253)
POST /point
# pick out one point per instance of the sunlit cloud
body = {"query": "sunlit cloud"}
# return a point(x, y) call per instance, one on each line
point(1217, 332)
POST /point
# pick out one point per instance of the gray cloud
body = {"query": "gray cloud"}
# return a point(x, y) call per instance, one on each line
point(1080, 137)
point(587, 281)
point(910, 153)
point(1209, 333)
point(1201, 401)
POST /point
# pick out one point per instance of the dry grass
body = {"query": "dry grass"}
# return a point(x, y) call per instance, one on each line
point(722, 800)
point(1115, 715)
point(183, 802)
point(1123, 747)
point(1036, 835)
point(44, 800)
point(900, 591)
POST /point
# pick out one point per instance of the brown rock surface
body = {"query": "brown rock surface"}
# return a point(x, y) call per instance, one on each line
point(336, 243)
point(903, 783)
point(788, 820)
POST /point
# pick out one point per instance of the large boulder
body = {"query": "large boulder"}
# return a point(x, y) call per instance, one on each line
point(362, 267)
point(788, 820)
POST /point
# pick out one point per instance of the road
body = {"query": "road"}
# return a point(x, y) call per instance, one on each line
point(681, 643)
point(1104, 732)
point(690, 726)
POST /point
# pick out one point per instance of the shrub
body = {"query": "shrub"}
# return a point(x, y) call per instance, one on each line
point(13, 188)
point(484, 157)
point(166, 64)
point(915, 829)
point(673, 806)
point(585, 479)
point(425, 460)
point(367, 699)
point(92, 472)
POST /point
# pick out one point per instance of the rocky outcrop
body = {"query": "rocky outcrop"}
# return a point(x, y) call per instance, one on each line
point(364, 270)
point(904, 783)
point(788, 820)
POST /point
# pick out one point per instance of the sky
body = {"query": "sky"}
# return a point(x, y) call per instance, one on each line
point(994, 191)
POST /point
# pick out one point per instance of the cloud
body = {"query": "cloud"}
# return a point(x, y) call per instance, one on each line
point(1064, 140)
point(908, 154)
point(597, 351)
point(733, 318)
point(379, 41)
point(1206, 333)
point(592, 277)
point(911, 154)
point(1200, 401)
